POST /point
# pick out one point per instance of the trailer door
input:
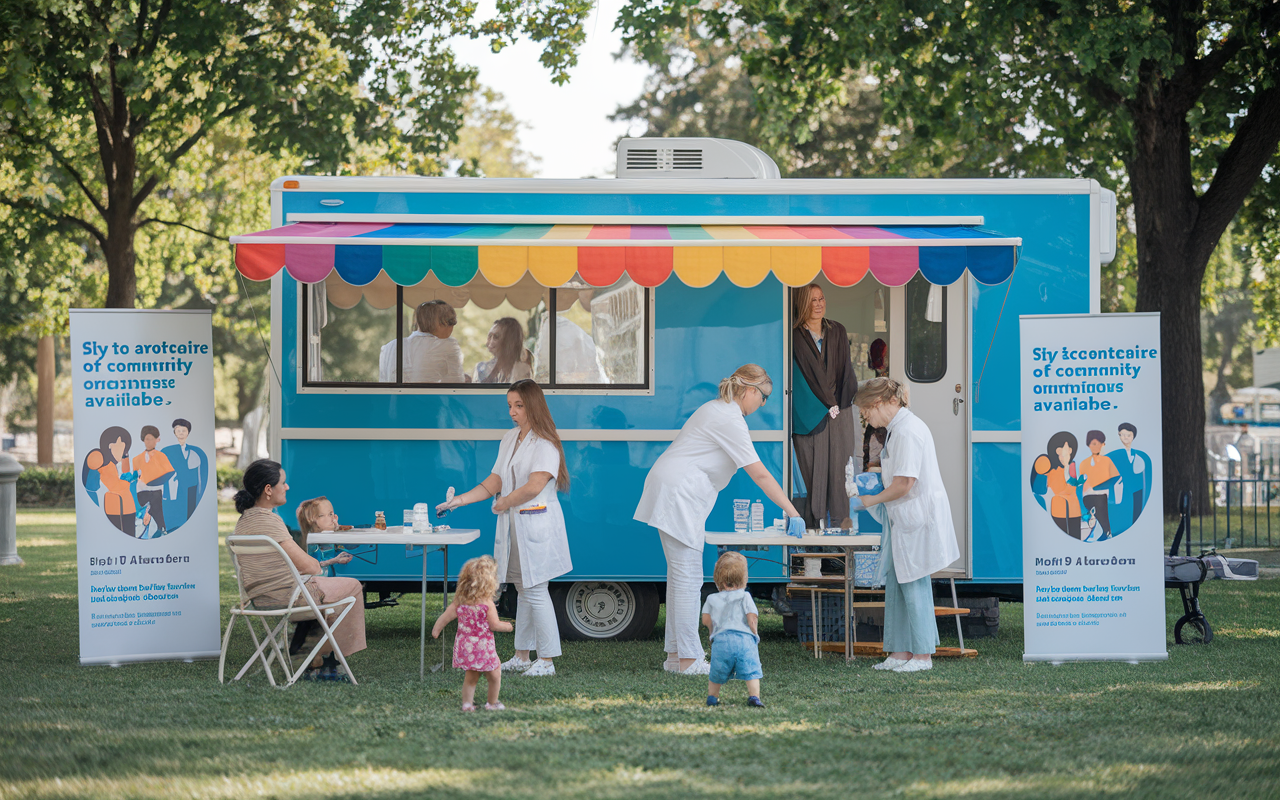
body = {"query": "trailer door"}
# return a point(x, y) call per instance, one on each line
point(929, 328)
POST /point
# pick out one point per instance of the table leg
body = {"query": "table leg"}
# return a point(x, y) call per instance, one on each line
point(422, 629)
point(848, 592)
point(817, 623)
point(444, 583)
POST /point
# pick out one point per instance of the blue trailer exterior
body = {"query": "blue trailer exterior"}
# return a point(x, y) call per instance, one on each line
point(699, 335)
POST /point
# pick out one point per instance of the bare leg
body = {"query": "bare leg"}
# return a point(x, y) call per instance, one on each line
point(522, 654)
point(713, 689)
point(925, 657)
point(469, 682)
point(685, 663)
point(495, 683)
point(753, 688)
point(901, 655)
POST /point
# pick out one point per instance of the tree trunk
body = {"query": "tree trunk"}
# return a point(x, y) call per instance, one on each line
point(1170, 275)
point(122, 278)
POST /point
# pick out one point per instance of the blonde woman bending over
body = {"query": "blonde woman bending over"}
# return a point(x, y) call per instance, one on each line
point(681, 490)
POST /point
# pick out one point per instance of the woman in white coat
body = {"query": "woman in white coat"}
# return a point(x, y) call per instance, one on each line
point(531, 546)
point(919, 537)
point(681, 490)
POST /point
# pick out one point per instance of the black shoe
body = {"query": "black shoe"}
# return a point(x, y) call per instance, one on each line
point(713, 701)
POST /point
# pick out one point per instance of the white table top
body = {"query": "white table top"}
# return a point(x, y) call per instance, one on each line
point(395, 534)
point(773, 538)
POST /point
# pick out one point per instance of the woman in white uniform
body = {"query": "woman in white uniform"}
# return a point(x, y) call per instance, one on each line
point(681, 490)
point(919, 537)
point(531, 546)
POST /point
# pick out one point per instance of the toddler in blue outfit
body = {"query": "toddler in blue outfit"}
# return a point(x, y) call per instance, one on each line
point(731, 616)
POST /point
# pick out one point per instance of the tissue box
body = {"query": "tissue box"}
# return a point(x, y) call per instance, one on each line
point(865, 567)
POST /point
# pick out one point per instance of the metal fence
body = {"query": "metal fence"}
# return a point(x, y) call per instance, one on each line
point(1242, 512)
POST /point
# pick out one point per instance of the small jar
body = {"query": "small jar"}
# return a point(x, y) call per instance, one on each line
point(380, 521)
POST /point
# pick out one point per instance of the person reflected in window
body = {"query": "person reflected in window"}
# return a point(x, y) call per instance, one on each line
point(511, 362)
point(431, 355)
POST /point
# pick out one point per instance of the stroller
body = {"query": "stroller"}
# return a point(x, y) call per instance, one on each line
point(1186, 573)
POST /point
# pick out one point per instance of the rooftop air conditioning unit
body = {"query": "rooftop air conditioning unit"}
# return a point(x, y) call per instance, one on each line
point(692, 157)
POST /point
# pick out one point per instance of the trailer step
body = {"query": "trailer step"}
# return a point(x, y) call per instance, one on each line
point(875, 650)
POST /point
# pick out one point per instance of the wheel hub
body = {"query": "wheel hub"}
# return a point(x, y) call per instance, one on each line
point(601, 609)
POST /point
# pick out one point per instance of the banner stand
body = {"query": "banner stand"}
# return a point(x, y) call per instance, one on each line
point(146, 499)
point(1092, 521)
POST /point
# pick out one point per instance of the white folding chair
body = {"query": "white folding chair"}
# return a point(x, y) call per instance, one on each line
point(273, 646)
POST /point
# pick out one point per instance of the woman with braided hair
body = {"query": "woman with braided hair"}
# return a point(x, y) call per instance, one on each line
point(681, 490)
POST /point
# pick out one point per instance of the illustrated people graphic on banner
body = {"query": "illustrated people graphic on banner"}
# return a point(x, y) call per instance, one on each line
point(1102, 495)
point(156, 487)
point(1134, 488)
point(191, 475)
point(112, 485)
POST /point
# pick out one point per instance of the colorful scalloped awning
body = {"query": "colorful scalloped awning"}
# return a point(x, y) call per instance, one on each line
point(600, 254)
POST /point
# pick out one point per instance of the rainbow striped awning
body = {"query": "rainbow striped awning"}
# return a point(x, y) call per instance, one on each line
point(600, 254)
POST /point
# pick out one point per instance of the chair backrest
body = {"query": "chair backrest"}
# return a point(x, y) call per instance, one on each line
point(260, 544)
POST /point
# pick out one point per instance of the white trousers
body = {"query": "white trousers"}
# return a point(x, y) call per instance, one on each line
point(684, 591)
point(536, 627)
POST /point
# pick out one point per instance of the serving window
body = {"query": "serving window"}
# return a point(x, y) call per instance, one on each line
point(432, 336)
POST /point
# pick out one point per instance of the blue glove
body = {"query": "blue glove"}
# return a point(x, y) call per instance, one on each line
point(855, 504)
point(869, 483)
point(795, 526)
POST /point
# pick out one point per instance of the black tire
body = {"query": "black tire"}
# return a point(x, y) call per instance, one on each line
point(1196, 628)
point(605, 609)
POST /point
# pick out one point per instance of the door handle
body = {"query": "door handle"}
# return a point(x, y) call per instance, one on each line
point(955, 406)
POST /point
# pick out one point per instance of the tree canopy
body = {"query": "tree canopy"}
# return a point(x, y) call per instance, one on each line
point(1175, 103)
point(104, 102)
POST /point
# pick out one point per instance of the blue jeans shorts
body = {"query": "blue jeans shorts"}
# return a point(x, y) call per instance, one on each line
point(735, 654)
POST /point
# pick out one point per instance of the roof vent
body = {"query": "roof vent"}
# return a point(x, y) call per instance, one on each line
point(692, 157)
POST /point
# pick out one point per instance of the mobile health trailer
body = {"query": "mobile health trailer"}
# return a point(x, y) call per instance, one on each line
point(634, 296)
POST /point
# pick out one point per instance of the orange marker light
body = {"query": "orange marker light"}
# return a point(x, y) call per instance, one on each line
point(291, 184)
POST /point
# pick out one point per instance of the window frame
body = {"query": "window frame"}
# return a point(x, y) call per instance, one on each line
point(907, 321)
point(307, 386)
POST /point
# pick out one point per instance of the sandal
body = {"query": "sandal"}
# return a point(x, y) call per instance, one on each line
point(494, 707)
point(468, 706)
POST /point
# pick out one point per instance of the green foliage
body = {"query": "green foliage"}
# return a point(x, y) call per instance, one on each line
point(229, 477)
point(105, 105)
point(488, 143)
point(47, 486)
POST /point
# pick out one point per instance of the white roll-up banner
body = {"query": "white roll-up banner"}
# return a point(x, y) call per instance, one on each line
point(146, 488)
point(1092, 496)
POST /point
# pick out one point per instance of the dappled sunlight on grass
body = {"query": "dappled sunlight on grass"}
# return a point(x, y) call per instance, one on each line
point(42, 541)
point(1237, 632)
point(308, 783)
point(762, 726)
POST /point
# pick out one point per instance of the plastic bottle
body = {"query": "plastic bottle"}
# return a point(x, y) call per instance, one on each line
point(741, 516)
point(757, 517)
point(850, 483)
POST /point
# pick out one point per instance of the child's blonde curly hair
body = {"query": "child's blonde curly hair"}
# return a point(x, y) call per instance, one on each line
point(477, 582)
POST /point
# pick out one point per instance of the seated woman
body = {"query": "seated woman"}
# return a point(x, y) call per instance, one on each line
point(431, 355)
point(268, 581)
point(511, 362)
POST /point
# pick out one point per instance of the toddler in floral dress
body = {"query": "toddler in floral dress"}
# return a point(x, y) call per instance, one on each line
point(477, 616)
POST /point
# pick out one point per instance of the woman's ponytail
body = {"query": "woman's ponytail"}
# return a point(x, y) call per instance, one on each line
point(746, 375)
point(257, 477)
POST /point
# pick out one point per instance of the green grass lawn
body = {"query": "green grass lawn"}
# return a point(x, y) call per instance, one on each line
point(1205, 723)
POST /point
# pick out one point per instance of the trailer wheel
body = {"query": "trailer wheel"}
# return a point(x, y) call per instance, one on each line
point(605, 609)
point(1193, 630)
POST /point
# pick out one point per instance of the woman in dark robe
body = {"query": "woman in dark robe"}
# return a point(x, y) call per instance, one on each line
point(824, 424)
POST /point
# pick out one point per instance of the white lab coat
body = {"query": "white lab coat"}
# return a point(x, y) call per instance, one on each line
point(682, 485)
point(427, 359)
point(543, 542)
point(924, 536)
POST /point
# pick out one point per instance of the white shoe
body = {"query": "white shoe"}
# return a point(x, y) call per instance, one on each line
point(914, 665)
point(891, 663)
point(516, 664)
point(540, 669)
point(699, 667)
point(671, 666)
